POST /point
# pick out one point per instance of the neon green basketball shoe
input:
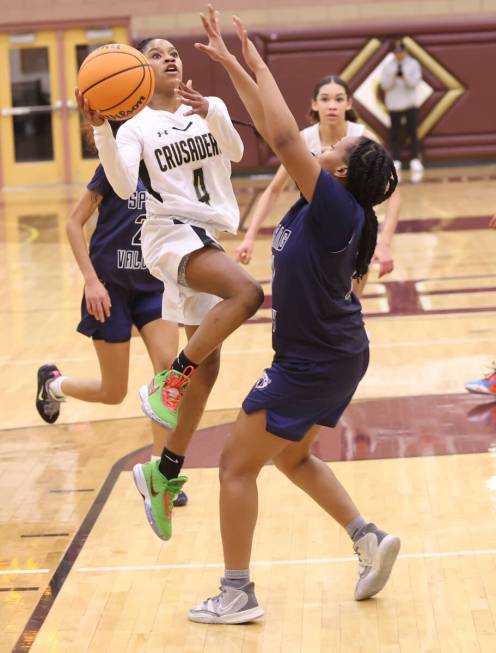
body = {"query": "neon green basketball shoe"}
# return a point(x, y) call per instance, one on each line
point(158, 495)
point(162, 398)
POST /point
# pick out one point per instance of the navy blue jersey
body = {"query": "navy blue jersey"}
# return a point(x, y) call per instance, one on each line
point(115, 246)
point(315, 315)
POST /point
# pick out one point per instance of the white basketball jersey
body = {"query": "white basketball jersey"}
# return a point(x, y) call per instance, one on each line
point(187, 160)
point(312, 136)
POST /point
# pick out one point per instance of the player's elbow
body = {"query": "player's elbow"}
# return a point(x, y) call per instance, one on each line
point(237, 153)
point(283, 140)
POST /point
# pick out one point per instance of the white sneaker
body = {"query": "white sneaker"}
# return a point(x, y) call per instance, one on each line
point(231, 606)
point(416, 177)
point(377, 552)
point(416, 165)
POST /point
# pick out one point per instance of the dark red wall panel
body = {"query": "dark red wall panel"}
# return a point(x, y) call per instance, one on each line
point(298, 59)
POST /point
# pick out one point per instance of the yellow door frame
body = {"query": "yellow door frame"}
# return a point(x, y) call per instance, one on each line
point(36, 172)
point(68, 165)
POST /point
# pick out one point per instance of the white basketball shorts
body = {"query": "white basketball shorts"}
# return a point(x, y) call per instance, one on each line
point(166, 244)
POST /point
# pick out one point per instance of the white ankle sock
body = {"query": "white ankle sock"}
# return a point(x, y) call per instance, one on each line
point(55, 388)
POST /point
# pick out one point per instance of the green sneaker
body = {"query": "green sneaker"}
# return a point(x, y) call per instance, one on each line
point(159, 495)
point(163, 396)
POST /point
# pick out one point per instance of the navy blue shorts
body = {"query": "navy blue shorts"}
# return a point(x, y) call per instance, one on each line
point(128, 307)
point(297, 394)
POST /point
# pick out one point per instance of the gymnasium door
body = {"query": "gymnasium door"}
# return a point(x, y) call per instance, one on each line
point(40, 127)
point(30, 103)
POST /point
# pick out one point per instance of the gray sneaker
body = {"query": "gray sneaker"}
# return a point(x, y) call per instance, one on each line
point(377, 552)
point(231, 606)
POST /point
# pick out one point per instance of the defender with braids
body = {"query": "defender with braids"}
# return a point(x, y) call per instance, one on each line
point(369, 173)
point(319, 340)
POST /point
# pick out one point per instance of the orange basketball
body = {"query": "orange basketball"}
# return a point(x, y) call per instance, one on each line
point(117, 80)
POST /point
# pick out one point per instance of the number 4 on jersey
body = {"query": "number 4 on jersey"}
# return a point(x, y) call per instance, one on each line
point(199, 184)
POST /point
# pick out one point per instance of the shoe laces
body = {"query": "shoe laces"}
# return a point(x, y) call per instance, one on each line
point(363, 561)
point(175, 387)
point(216, 599)
point(174, 486)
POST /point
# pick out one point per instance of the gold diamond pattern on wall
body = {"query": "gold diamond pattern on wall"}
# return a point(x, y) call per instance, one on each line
point(453, 88)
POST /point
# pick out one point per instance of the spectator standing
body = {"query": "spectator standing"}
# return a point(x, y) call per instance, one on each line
point(399, 79)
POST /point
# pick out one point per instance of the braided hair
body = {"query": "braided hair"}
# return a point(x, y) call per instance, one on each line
point(371, 180)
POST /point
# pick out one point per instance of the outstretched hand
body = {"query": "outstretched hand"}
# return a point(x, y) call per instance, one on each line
point(250, 53)
point(193, 99)
point(215, 48)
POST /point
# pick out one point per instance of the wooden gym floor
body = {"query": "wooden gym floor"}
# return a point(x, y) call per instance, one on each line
point(80, 570)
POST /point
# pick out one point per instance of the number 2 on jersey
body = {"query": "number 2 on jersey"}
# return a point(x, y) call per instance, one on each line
point(199, 184)
point(136, 240)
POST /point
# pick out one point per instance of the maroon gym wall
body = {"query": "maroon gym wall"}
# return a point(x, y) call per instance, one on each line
point(467, 131)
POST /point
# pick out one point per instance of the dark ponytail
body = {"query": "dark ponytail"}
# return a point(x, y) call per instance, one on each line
point(371, 179)
point(242, 123)
point(350, 115)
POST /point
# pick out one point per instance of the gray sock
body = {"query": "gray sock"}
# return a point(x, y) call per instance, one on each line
point(355, 526)
point(369, 528)
point(236, 578)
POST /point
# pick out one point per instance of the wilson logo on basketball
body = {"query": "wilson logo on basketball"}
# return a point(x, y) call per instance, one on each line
point(128, 112)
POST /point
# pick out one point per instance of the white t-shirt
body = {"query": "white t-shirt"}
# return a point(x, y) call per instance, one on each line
point(312, 136)
point(188, 160)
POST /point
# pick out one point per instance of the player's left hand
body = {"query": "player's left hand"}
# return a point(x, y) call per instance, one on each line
point(384, 257)
point(216, 49)
point(193, 99)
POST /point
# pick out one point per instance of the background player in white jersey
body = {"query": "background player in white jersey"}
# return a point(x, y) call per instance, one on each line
point(186, 143)
point(332, 117)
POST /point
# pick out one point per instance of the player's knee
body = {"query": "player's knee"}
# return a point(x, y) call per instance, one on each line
point(252, 297)
point(290, 465)
point(114, 396)
point(232, 468)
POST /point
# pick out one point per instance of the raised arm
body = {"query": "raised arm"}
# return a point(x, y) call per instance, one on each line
point(120, 159)
point(264, 103)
